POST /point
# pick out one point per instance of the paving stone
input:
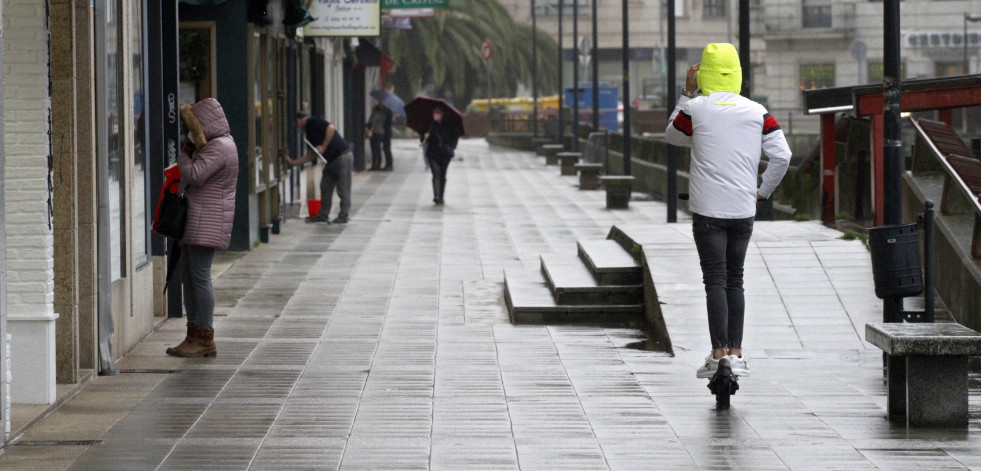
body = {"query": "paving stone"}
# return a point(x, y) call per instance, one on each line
point(386, 344)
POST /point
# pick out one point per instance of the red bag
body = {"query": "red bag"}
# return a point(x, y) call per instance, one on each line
point(172, 183)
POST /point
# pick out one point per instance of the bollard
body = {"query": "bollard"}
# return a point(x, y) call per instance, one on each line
point(928, 261)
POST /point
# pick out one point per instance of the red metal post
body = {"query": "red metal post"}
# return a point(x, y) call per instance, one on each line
point(828, 168)
point(947, 116)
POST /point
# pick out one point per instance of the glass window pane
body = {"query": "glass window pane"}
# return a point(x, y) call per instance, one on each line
point(117, 180)
point(305, 75)
point(714, 8)
point(257, 104)
point(817, 76)
point(139, 213)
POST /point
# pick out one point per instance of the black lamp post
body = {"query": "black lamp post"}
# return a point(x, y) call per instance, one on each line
point(575, 75)
point(595, 60)
point(744, 48)
point(561, 133)
point(892, 165)
point(534, 70)
point(626, 87)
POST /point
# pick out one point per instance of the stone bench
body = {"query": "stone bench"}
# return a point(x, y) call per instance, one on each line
point(538, 142)
point(618, 188)
point(589, 175)
point(568, 162)
point(551, 153)
point(926, 370)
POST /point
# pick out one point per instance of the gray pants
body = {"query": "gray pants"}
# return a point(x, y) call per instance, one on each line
point(199, 293)
point(337, 173)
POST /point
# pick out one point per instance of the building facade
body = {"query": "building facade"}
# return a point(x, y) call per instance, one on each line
point(795, 44)
point(823, 44)
point(90, 124)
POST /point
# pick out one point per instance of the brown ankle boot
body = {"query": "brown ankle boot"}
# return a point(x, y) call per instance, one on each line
point(191, 334)
point(201, 345)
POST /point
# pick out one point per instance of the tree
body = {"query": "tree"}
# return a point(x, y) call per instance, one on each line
point(444, 53)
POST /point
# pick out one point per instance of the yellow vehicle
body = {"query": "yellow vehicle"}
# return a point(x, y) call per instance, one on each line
point(516, 104)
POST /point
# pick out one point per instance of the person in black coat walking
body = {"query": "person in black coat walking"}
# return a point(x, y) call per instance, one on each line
point(440, 145)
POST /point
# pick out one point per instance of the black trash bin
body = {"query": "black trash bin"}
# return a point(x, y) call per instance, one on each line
point(896, 261)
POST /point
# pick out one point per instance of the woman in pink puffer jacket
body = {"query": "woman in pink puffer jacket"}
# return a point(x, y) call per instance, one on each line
point(209, 173)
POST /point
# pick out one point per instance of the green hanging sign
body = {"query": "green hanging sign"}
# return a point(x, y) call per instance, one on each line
point(401, 4)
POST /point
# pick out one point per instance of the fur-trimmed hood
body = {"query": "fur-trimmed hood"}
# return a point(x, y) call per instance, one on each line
point(205, 120)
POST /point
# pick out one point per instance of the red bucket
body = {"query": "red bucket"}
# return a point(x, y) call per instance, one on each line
point(313, 207)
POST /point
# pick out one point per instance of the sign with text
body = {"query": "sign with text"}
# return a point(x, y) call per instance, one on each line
point(399, 4)
point(412, 13)
point(344, 18)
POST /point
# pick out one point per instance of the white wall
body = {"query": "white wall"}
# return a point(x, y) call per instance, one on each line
point(29, 249)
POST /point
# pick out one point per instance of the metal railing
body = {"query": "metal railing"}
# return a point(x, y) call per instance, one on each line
point(953, 183)
point(786, 17)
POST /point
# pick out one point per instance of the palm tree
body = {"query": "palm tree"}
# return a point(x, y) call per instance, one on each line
point(444, 52)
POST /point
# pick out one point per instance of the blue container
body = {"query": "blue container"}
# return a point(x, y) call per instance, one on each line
point(607, 103)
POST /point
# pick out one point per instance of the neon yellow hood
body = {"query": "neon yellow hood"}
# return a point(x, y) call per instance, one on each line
point(720, 70)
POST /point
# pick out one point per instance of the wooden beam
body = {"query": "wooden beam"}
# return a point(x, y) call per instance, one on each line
point(923, 100)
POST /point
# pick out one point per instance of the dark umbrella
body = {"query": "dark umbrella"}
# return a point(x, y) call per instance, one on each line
point(419, 114)
point(390, 101)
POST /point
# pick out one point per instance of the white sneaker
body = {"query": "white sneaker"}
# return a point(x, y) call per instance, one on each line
point(738, 365)
point(708, 369)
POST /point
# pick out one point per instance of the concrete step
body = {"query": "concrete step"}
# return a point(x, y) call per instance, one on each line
point(573, 284)
point(530, 301)
point(610, 263)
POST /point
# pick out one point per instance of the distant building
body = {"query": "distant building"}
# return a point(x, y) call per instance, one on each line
point(795, 45)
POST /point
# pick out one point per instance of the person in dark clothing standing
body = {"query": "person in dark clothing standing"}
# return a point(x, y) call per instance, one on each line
point(440, 144)
point(337, 171)
point(380, 129)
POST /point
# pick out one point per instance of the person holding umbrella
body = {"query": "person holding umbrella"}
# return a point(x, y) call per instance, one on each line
point(440, 127)
point(440, 142)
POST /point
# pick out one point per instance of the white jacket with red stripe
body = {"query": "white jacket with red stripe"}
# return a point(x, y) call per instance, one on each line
point(727, 134)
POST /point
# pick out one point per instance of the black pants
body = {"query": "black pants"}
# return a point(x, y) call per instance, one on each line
point(438, 166)
point(722, 245)
point(377, 144)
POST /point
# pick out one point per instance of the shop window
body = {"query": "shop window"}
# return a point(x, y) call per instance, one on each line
point(197, 61)
point(256, 57)
point(817, 76)
point(947, 69)
point(139, 187)
point(115, 142)
point(306, 72)
point(876, 72)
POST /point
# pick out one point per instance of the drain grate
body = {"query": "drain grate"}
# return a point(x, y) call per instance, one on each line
point(58, 443)
point(150, 371)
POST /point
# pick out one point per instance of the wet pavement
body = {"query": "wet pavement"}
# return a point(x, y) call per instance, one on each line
point(385, 344)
